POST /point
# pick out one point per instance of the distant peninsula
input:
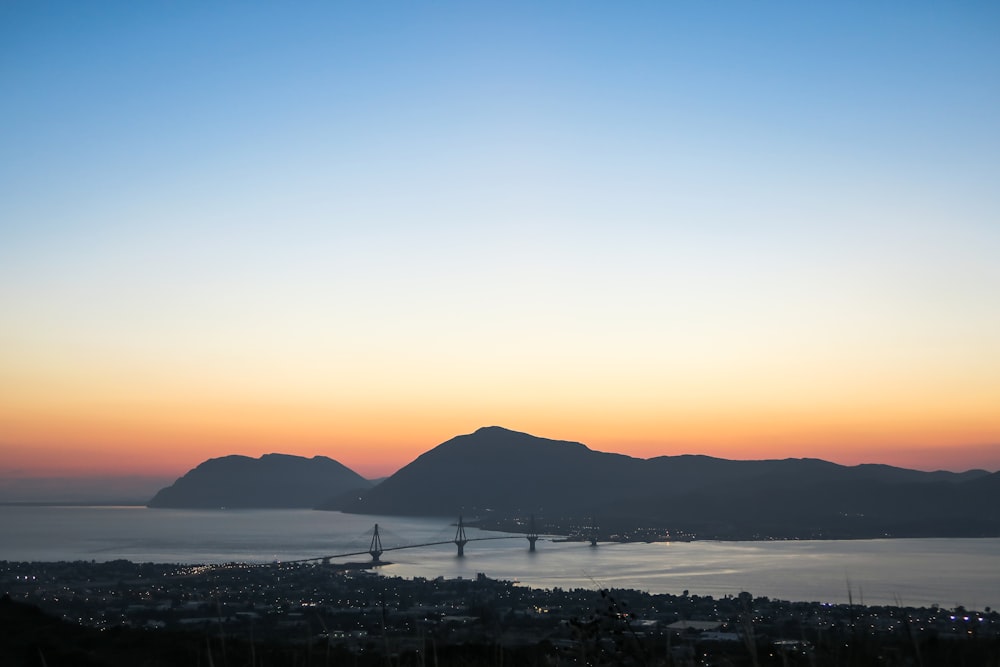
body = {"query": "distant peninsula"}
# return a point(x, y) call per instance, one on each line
point(271, 481)
point(501, 477)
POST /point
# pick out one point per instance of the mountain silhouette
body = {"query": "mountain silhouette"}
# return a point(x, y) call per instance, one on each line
point(499, 472)
point(273, 480)
point(490, 468)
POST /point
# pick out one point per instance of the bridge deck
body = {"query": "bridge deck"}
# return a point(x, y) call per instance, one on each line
point(405, 546)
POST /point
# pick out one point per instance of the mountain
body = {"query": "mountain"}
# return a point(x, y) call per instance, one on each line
point(496, 472)
point(273, 480)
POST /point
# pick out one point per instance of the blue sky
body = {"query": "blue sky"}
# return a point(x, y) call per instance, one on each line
point(737, 208)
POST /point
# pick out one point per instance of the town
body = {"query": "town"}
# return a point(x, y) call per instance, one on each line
point(315, 611)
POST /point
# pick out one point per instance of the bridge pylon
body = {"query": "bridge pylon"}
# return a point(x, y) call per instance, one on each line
point(376, 547)
point(593, 532)
point(532, 534)
point(460, 539)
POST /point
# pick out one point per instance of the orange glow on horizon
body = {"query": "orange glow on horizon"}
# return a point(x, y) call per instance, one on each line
point(63, 424)
point(170, 445)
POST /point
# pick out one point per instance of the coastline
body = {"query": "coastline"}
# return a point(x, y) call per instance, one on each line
point(301, 610)
point(16, 577)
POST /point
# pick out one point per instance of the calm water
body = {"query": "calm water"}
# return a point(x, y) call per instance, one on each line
point(911, 572)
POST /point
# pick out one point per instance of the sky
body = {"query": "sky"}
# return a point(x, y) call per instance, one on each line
point(748, 230)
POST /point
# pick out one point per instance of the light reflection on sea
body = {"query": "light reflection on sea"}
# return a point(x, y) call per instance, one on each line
point(917, 572)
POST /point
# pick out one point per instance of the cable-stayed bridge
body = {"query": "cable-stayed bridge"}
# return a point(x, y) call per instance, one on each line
point(376, 549)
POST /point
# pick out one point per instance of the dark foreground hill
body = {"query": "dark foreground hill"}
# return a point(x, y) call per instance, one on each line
point(273, 480)
point(495, 472)
point(30, 637)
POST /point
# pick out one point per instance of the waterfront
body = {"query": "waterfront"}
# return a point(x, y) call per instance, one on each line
point(313, 614)
point(914, 572)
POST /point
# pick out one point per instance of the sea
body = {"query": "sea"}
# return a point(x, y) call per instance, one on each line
point(900, 572)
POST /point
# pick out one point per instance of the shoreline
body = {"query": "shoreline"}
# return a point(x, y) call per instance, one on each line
point(184, 571)
point(371, 620)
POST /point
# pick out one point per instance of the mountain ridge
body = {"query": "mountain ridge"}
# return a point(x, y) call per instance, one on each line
point(498, 472)
point(269, 481)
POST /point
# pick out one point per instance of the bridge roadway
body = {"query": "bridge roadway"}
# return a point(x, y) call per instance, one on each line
point(375, 550)
point(367, 552)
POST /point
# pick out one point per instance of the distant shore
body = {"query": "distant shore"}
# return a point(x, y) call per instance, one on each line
point(578, 530)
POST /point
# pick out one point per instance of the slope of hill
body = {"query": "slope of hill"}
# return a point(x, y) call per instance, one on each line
point(273, 480)
point(498, 472)
point(507, 470)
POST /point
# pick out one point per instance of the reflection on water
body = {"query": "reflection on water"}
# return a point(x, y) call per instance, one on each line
point(912, 572)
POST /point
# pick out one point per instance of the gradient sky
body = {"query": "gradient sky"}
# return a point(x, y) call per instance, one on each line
point(751, 230)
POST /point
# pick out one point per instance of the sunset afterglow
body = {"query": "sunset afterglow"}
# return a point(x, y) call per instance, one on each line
point(737, 230)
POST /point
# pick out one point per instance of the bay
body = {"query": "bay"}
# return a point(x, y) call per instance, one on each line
point(910, 572)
